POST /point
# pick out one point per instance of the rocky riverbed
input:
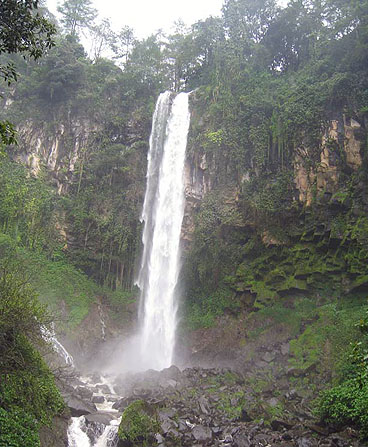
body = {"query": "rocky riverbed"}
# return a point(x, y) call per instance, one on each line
point(196, 407)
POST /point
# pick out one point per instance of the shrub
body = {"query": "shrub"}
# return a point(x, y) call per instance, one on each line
point(347, 402)
point(18, 428)
point(138, 425)
point(344, 404)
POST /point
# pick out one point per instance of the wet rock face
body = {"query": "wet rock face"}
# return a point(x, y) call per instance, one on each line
point(218, 407)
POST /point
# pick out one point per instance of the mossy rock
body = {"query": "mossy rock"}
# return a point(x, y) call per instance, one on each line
point(265, 295)
point(138, 425)
point(292, 283)
point(360, 281)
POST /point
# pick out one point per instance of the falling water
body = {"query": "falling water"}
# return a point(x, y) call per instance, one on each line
point(77, 436)
point(162, 215)
point(50, 337)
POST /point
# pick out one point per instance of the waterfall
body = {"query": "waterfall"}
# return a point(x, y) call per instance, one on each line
point(50, 337)
point(163, 212)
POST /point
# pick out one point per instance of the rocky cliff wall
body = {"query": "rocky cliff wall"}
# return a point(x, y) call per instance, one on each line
point(55, 148)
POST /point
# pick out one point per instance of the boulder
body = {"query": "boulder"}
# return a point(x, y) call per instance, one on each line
point(285, 348)
point(241, 440)
point(103, 389)
point(84, 392)
point(78, 407)
point(203, 405)
point(273, 402)
point(278, 424)
point(55, 435)
point(99, 418)
point(173, 373)
point(202, 434)
point(307, 442)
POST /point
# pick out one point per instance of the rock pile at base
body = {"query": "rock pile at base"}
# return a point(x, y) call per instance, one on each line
point(218, 407)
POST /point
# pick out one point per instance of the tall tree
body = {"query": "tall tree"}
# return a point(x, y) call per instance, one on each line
point(22, 30)
point(102, 38)
point(76, 15)
point(123, 43)
point(246, 23)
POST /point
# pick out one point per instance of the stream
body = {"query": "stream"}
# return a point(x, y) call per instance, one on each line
point(94, 396)
point(91, 430)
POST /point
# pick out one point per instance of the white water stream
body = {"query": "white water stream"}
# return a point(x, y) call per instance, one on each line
point(77, 436)
point(50, 337)
point(163, 212)
point(78, 433)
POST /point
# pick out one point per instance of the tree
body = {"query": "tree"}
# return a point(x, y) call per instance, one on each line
point(22, 30)
point(123, 43)
point(246, 23)
point(103, 38)
point(179, 55)
point(291, 37)
point(209, 42)
point(77, 14)
point(146, 68)
point(248, 19)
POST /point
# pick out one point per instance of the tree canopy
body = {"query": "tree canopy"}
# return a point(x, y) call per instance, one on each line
point(76, 15)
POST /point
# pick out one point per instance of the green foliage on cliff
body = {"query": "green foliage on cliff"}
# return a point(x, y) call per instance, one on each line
point(27, 207)
point(109, 111)
point(24, 31)
point(28, 217)
point(28, 395)
point(18, 428)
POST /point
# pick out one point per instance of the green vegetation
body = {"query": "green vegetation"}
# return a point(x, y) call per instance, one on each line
point(28, 395)
point(138, 425)
point(18, 428)
point(27, 208)
point(346, 402)
point(206, 307)
point(29, 211)
point(232, 404)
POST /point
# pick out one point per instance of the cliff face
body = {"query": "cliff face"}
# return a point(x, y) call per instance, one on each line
point(56, 148)
point(255, 238)
point(342, 150)
point(60, 151)
point(197, 180)
point(341, 153)
point(67, 152)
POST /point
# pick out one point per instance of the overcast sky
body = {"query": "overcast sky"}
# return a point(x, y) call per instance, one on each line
point(147, 16)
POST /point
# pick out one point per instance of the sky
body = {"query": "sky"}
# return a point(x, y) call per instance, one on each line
point(147, 16)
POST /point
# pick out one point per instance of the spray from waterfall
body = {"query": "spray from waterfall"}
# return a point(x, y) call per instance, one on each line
point(163, 212)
